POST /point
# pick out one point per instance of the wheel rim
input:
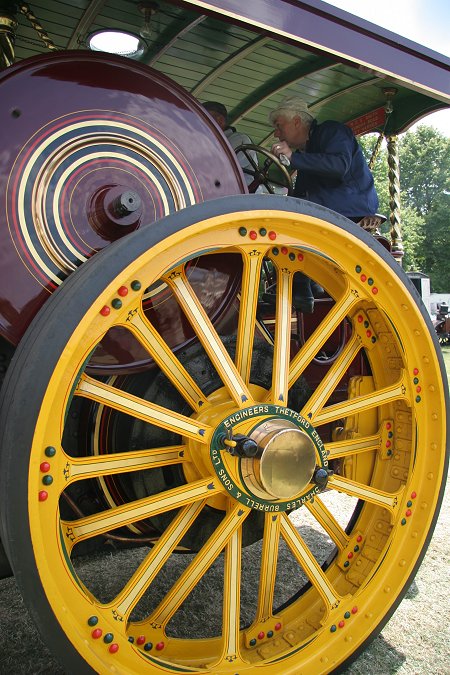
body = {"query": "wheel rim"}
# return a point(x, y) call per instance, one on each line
point(386, 447)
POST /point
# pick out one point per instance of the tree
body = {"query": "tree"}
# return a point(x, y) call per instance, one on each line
point(379, 170)
point(425, 187)
point(437, 244)
point(424, 167)
point(413, 237)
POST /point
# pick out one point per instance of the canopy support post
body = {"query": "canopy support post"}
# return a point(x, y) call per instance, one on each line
point(376, 151)
point(394, 198)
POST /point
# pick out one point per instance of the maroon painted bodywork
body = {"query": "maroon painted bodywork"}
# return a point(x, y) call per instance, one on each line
point(80, 130)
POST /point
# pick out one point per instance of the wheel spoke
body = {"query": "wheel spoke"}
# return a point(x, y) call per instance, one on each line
point(362, 403)
point(90, 526)
point(124, 603)
point(331, 379)
point(231, 608)
point(75, 468)
point(261, 325)
point(306, 559)
point(282, 338)
point(268, 572)
point(208, 336)
point(328, 522)
point(138, 407)
point(197, 568)
point(248, 155)
point(247, 311)
point(352, 446)
point(389, 501)
point(152, 341)
point(329, 324)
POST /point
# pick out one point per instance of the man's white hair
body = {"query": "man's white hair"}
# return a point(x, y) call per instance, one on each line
point(291, 107)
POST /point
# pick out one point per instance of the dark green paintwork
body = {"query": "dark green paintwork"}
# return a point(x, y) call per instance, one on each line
point(248, 71)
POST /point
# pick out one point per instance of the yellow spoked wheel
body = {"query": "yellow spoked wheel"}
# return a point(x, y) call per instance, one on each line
point(336, 466)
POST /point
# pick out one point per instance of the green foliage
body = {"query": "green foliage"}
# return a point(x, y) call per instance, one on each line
point(425, 188)
point(424, 167)
point(379, 170)
point(437, 243)
point(413, 236)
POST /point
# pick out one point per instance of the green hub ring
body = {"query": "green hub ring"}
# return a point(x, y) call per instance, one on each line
point(266, 412)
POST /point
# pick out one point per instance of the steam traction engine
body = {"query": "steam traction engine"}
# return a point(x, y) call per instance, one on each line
point(164, 431)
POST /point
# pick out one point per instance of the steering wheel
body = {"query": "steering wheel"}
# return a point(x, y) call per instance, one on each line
point(261, 171)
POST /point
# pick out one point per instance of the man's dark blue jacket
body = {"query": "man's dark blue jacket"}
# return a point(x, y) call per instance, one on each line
point(332, 171)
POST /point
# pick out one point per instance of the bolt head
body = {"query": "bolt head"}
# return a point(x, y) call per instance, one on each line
point(321, 477)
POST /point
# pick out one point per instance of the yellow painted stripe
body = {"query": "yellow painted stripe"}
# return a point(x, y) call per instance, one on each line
point(332, 378)
point(123, 462)
point(366, 492)
point(211, 341)
point(269, 560)
point(149, 337)
point(282, 340)
point(309, 563)
point(155, 560)
point(247, 315)
point(197, 568)
point(351, 446)
point(328, 522)
point(362, 403)
point(105, 521)
point(137, 407)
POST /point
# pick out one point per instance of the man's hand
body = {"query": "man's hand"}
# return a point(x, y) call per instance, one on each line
point(281, 148)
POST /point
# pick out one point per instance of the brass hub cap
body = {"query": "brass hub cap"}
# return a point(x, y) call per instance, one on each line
point(285, 462)
point(279, 477)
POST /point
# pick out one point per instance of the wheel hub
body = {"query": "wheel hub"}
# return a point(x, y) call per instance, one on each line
point(285, 462)
point(279, 476)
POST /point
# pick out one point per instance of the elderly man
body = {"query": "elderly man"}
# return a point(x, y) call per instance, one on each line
point(220, 114)
point(331, 170)
point(330, 165)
